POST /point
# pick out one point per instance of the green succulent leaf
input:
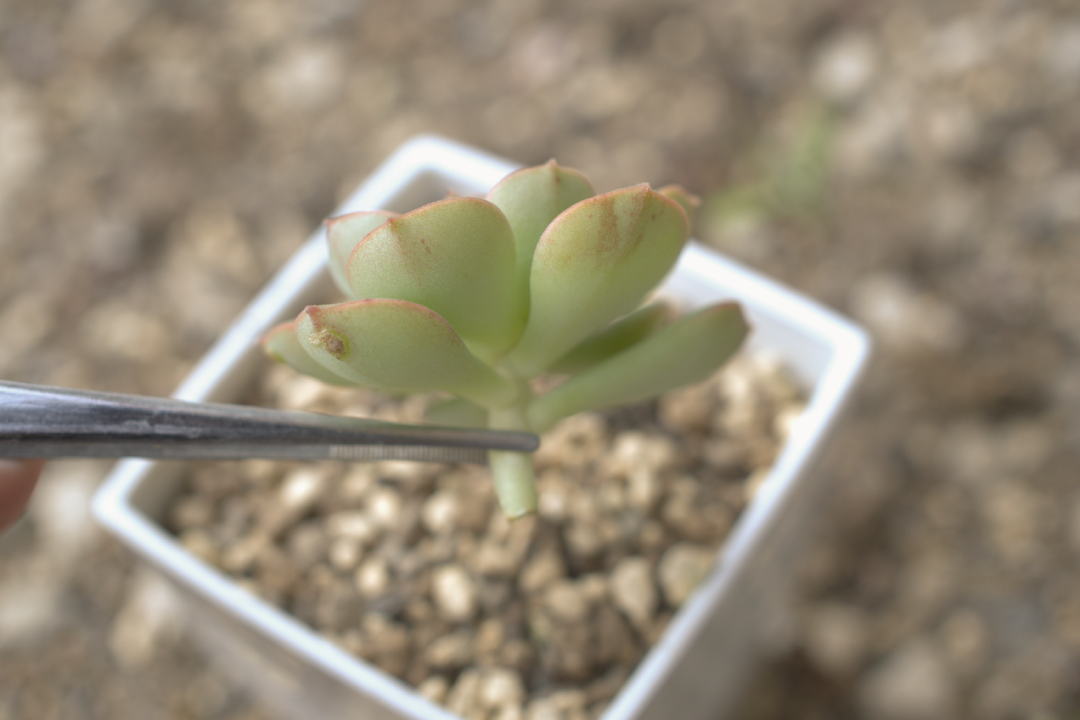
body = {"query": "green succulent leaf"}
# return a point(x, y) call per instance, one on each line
point(343, 233)
point(613, 339)
point(688, 202)
point(397, 345)
point(685, 352)
point(282, 346)
point(595, 262)
point(455, 256)
point(530, 199)
point(456, 412)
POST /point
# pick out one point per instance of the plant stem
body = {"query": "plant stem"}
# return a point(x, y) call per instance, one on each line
point(512, 473)
point(515, 482)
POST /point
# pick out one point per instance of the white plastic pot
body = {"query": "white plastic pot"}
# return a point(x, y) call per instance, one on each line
point(714, 641)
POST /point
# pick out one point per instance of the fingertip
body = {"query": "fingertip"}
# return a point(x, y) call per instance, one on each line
point(17, 481)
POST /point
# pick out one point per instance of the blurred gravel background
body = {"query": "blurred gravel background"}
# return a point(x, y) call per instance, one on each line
point(913, 164)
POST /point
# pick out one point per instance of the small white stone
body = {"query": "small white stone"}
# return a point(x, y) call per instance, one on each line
point(553, 496)
point(384, 508)
point(345, 553)
point(566, 602)
point(509, 712)
point(633, 450)
point(151, 612)
point(440, 512)
point(643, 488)
point(493, 560)
point(454, 593)
point(301, 489)
point(541, 570)
point(836, 637)
point(453, 650)
point(500, 688)
point(846, 68)
point(966, 640)
point(633, 591)
point(357, 483)
point(490, 638)
point(434, 688)
point(353, 525)
point(462, 698)
point(307, 544)
point(372, 577)
point(681, 569)
point(911, 683)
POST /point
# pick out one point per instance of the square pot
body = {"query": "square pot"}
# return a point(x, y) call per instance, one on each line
point(697, 668)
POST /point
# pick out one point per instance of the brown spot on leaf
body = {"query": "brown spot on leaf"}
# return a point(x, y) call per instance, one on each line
point(330, 341)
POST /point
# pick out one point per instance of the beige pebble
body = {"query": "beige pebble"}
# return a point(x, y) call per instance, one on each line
point(241, 555)
point(493, 560)
point(307, 543)
point(836, 637)
point(372, 577)
point(302, 489)
point(454, 593)
point(352, 524)
point(594, 586)
point(450, 651)
point(435, 688)
point(386, 643)
point(965, 640)
point(500, 688)
point(508, 712)
point(644, 489)
point(910, 683)
point(439, 513)
point(553, 495)
point(566, 602)
point(490, 637)
point(614, 638)
point(634, 450)
point(681, 569)
point(687, 409)
point(192, 511)
point(519, 654)
point(584, 540)
point(345, 553)
point(683, 514)
point(540, 571)
point(357, 483)
point(201, 544)
point(384, 507)
point(633, 591)
point(574, 442)
point(462, 698)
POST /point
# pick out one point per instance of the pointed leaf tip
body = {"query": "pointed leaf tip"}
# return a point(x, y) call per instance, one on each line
point(399, 346)
point(282, 345)
point(343, 233)
point(530, 199)
point(595, 262)
point(686, 200)
point(455, 256)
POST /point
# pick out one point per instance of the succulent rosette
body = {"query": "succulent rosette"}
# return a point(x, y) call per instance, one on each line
point(478, 297)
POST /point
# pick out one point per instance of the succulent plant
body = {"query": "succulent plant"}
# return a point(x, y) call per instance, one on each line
point(478, 298)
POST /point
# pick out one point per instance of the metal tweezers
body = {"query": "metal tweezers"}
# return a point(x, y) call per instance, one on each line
point(49, 422)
